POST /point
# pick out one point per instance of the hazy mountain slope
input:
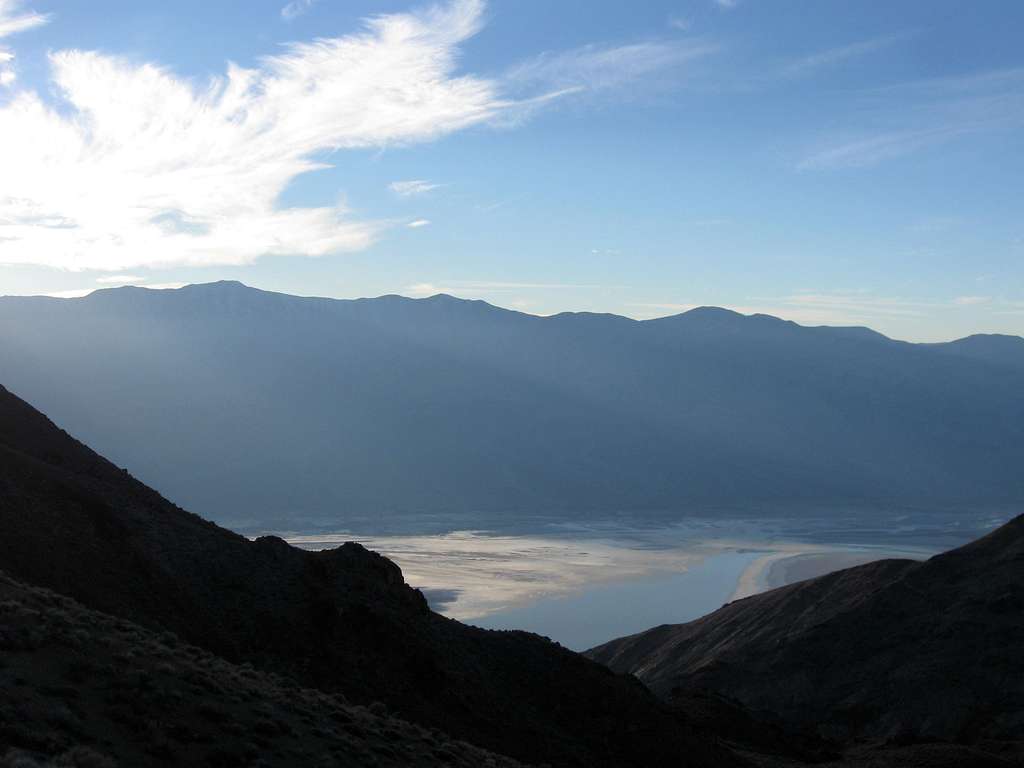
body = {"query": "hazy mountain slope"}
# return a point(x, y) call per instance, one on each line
point(254, 406)
point(340, 620)
point(894, 649)
point(995, 348)
point(90, 689)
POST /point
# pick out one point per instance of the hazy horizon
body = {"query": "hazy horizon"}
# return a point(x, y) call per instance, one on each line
point(682, 309)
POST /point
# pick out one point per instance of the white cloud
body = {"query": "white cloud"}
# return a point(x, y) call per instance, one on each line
point(296, 8)
point(680, 23)
point(112, 282)
point(418, 223)
point(119, 279)
point(120, 165)
point(971, 301)
point(727, 5)
point(75, 293)
point(136, 166)
point(165, 286)
point(12, 21)
point(412, 187)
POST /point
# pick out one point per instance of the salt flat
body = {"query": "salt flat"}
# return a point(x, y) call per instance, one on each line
point(584, 582)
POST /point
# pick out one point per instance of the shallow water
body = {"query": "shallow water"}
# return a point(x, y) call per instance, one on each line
point(603, 612)
point(582, 583)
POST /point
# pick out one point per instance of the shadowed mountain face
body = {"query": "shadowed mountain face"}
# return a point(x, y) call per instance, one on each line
point(895, 649)
point(86, 688)
point(256, 407)
point(340, 620)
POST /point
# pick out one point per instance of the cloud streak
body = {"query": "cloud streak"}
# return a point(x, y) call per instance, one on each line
point(597, 68)
point(296, 8)
point(908, 118)
point(412, 188)
point(12, 21)
point(838, 55)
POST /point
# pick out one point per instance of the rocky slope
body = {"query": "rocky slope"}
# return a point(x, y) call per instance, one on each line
point(82, 689)
point(341, 621)
point(896, 650)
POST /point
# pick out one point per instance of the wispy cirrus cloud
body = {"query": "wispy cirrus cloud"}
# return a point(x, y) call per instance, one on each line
point(907, 118)
point(136, 166)
point(596, 68)
point(417, 223)
point(412, 188)
point(296, 8)
point(119, 165)
point(13, 19)
point(840, 54)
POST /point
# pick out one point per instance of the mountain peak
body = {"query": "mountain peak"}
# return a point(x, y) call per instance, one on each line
point(708, 310)
point(219, 286)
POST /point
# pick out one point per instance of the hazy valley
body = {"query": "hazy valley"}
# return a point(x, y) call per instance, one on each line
point(364, 415)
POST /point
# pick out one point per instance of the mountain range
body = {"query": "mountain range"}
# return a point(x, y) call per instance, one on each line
point(264, 409)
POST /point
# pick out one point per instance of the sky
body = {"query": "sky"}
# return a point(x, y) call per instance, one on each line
point(823, 161)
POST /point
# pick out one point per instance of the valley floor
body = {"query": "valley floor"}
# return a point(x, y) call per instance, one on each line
point(582, 584)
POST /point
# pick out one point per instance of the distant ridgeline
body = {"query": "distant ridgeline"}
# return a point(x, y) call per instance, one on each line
point(247, 405)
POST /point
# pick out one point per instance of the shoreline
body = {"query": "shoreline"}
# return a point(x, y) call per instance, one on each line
point(781, 568)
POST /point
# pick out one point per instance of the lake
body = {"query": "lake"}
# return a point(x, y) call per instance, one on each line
point(582, 583)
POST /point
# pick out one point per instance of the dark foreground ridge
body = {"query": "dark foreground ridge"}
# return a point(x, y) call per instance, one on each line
point(340, 621)
point(82, 686)
point(895, 651)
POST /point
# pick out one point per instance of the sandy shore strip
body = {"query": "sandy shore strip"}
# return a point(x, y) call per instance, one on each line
point(779, 568)
point(754, 579)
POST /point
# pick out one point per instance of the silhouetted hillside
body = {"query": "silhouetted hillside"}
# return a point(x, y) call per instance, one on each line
point(895, 650)
point(250, 406)
point(340, 620)
point(81, 689)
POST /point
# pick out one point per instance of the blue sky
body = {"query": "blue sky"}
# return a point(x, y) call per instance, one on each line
point(827, 162)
